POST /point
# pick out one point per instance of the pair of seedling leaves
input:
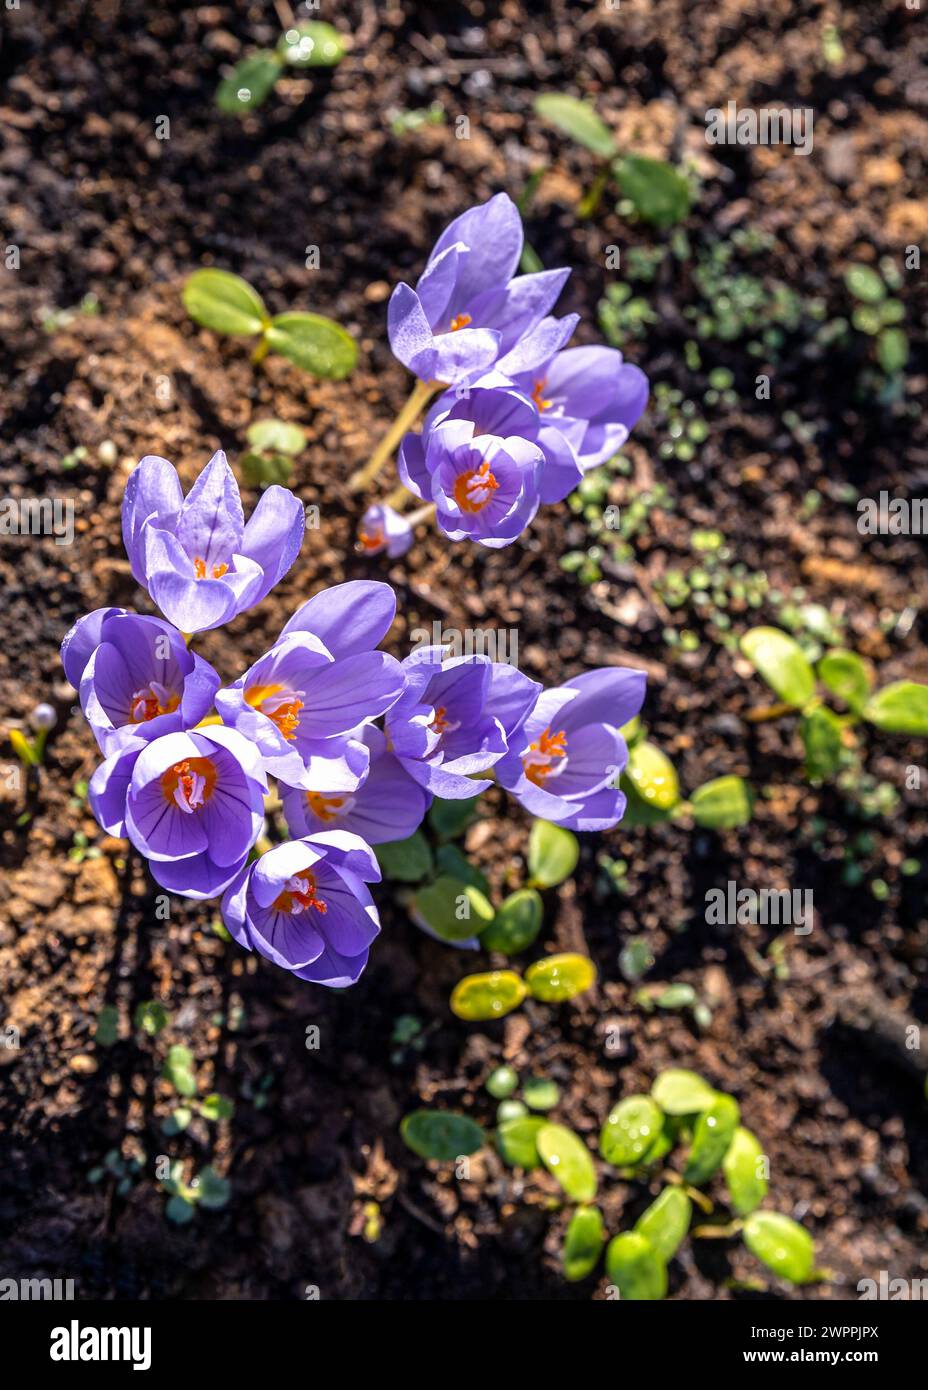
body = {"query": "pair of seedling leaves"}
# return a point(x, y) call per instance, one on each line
point(638, 1133)
point(659, 193)
point(898, 708)
point(452, 903)
point(311, 44)
point(652, 789)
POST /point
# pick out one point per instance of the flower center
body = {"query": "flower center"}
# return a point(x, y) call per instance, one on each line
point(189, 784)
point(282, 706)
point(150, 701)
point(460, 321)
point(474, 489)
point(200, 569)
point(371, 541)
point(537, 397)
point(299, 895)
point(441, 724)
point(543, 757)
point(326, 807)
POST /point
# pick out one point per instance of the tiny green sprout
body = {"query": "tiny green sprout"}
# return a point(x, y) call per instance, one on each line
point(107, 1029)
point(487, 996)
point(310, 44)
point(502, 1082)
point(151, 1018)
point(583, 1243)
point(635, 958)
point(557, 978)
point(510, 1110)
point(568, 1160)
point(274, 445)
point(178, 1070)
point(31, 750)
point(553, 853)
point(228, 305)
point(407, 122)
point(540, 1094)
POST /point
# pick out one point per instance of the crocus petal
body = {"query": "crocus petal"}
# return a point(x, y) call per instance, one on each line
point(537, 346)
point(153, 493)
point(81, 640)
point(408, 326)
point(273, 536)
point(195, 878)
point(493, 234)
point(191, 604)
point(348, 618)
point(211, 521)
point(514, 309)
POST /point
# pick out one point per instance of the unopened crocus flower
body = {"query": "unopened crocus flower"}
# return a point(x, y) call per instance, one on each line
point(192, 803)
point(387, 805)
point(305, 906)
point(443, 729)
point(478, 460)
point(197, 558)
point(467, 310)
point(565, 759)
point(381, 528)
point(140, 681)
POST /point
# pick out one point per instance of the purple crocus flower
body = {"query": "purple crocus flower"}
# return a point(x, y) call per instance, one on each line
point(467, 311)
point(304, 905)
point(443, 729)
point(565, 759)
point(192, 803)
point(387, 805)
point(382, 528)
point(139, 681)
point(478, 460)
point(196, 557)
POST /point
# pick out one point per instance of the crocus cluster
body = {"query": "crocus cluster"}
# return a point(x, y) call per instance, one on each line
point(359, 743)
point(521, 416)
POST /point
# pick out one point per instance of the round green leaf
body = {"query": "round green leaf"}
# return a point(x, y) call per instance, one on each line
point(848, 676)
point(517, 1138)
point(631, 1129)
point(225, 303)
point(660, 194)
point(781, 661)
point(653, 776)
point(577, 119)
point(681, 1092)
point(405, 861)
point(892, 350)
point(712, 1135)
point(261, 470)
point(490, 995)
point(279, 436)
point(313, 343)
point(453, 910)
point(556, 978)
point(178, 1070)
point(666, 1221)
point(781, 1244)
point(439, 1135)
point(820, 731)
point(864, 283)
point(722, 804)
point(552, 854)
point(501, 1082)
point(899, 708)
point(744, 1167)
point(312, 44)
point(568, 1159)
point(510, 1110)
point(248, 85)
point(540, 1094)
point(516, 924)
point(583, 1243)
point(635, 1268)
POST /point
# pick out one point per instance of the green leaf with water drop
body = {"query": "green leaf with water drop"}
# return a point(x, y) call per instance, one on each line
point(567, 1159)
point(653, 776)
point(630, 1130)
point(516, 924)
point(492, 994)
point(681, 1092)
point(517, 1140)
point(745, 1169)
point(249, 84)
point(583, 1243)
point(781, 1244)
point(311, 44)
point(712, 1135)
point(666, 1221)
point(635, 1268)
point(557, 978)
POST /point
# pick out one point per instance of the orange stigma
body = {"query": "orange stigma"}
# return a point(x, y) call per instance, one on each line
point(371, 541)
point(324, 806)
point(473, 489)
point(200, 569)
point(441, 724)
point(190, 784)
point(281, 706)
point(542, 757)
point(537, 397)
point(460, 321)
point(151, 701)
point(299, 895)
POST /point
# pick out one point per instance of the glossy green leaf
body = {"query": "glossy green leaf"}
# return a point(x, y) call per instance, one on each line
point(552, 854)
point(820, 731)
point(453, 910)
point(864, 283)
point(722, 804)
point(449, 819)
point(781, 1244)
point(653, 776)
point(178, 1070)
point(450, 860)
point(579, 120)
point(405, 861)
point(666, 1221)
point(567, 1159)
point(312, 44)
point(441, 1135)
point(630, 1130)
point(659, 192)
point(248, 85)
point(712, 1135)
point(781, 661)
point(313, 343)
point(681, 1092)
point(225, 303)
point(635, 1268)
point(892, 350)
point(583, 1243)
point(540, 1094)
point(217, 1107)
point(279, 436)
point(560, 977)
point(744, 1166)
point(502, 1081)
point(517, 1139)
point(679, 996)
point(848, 676)
point(516, 924)
point(489, 995)
point(899, 708)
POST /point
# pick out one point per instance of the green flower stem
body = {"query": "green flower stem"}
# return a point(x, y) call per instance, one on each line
point(421, 394)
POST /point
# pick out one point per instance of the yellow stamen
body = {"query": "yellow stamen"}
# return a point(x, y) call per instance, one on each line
point(548, 746)
point(537, 397)
point(281, 706)
point(460, 321)
point(199, 567)
point(324, 806)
